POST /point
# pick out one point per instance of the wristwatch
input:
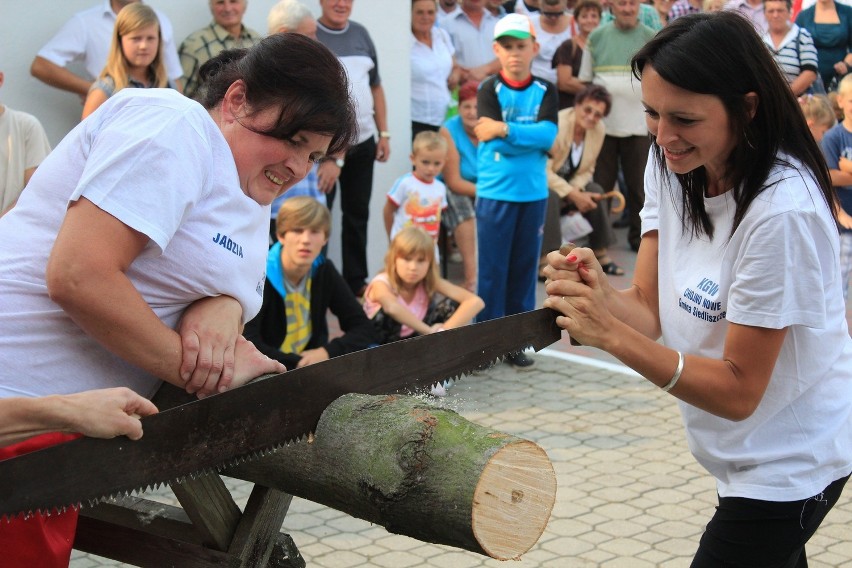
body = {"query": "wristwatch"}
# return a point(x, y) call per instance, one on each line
point(340, 162)
point(384, 134)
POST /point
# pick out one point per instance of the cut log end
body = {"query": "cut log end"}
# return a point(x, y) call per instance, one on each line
point(513, 500)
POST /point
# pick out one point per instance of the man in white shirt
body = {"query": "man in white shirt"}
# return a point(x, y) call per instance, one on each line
point(472, 32)
point(352, 44)
point(448, 8)
point(86, 38)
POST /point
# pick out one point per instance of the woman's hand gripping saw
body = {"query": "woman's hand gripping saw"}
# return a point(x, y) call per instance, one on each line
point(577, 287)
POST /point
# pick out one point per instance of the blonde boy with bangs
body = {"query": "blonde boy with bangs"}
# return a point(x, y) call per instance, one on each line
point(301, 286)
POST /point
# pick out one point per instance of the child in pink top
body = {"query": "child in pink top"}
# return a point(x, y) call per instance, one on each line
point(410, 282)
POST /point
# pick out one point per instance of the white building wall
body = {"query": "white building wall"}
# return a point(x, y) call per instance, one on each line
point(25, 25)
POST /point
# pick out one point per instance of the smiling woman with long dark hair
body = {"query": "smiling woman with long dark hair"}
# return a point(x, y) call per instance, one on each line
point(738, 273)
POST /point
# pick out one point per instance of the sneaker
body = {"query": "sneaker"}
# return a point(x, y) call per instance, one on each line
point(519, 359)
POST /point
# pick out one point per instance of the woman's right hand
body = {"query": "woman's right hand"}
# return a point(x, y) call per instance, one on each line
point(577, 287)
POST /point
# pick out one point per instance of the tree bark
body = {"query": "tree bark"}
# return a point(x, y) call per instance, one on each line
point(420, 471)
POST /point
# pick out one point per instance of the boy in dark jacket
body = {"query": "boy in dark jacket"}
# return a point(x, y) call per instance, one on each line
point(301, 286)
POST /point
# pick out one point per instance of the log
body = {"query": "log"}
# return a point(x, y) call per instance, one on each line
point(420, 471)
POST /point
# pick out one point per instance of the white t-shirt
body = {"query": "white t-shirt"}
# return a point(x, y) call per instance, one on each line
point(779, 269)
point(87, 35)
point(354, 47)
point(24, 146)
point(157, 162)
point(542, 64)
point(430, 69)
point(419, 203)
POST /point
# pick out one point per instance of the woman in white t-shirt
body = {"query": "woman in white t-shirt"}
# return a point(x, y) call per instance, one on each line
point(433, 69)
point(738, 273)
point(138, 250)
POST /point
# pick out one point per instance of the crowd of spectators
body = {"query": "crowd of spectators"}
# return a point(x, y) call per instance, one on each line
point(578, 43)
point(528, 110)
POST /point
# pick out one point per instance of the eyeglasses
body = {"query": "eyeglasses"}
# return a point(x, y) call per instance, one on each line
point(591, 111)
point(552, 15)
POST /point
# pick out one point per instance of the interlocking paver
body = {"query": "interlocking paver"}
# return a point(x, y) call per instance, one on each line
point(629, 493)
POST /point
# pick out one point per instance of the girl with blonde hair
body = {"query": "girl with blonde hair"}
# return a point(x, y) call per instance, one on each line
point(406, 292)
point(134, 58)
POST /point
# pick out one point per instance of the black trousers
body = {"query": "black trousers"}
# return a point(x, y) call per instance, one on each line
point(763, 534)
point(418, 127)
point(631, 153)
point(356, 187)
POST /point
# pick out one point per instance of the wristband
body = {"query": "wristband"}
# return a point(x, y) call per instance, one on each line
point(505, 130)
point(677, 373)
point(384, 134)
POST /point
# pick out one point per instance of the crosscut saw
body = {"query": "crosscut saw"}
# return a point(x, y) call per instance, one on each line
point(210, 434)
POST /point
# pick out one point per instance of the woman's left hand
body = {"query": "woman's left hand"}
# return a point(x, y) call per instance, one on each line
point(208, 331)
point(576, 287)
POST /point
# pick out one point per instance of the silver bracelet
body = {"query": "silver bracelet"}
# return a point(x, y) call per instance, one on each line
point(676, 376)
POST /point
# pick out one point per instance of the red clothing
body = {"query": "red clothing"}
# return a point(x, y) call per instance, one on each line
point(37, 542)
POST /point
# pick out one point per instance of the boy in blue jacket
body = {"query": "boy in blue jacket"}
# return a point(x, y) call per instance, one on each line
point(301, 286)
point(517, 126)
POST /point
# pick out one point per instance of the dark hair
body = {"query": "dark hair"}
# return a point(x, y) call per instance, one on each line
point(737, 64)
point(789, 4)
point(595, 93)
point(587, 5)
point(293, 72)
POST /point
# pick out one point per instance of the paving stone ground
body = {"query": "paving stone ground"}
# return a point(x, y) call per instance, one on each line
point(629, 493)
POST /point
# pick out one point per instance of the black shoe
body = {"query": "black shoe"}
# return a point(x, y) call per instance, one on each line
point(519, 359)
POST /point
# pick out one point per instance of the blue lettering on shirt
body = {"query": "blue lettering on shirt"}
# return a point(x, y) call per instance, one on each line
point(226, 243)
point(701, 306)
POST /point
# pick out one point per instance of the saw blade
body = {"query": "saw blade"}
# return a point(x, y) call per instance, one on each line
point(210, 434)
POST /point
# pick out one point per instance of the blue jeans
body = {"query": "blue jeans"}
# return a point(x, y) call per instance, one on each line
point(509, 238)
